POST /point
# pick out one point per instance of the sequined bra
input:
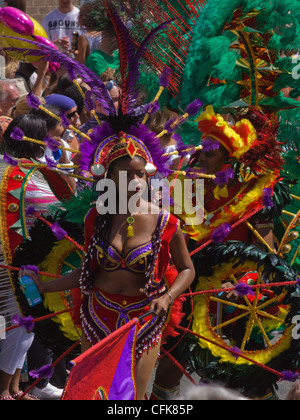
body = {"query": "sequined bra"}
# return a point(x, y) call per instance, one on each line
point(136, 260)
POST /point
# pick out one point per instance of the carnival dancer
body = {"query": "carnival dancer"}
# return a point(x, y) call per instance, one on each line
point(20, 189)
point(127, 251)
point(235, 60)
point(229, 197)
point(122, 275)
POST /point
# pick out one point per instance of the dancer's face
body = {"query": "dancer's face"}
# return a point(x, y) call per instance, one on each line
point(213, 161)
point(134, 172)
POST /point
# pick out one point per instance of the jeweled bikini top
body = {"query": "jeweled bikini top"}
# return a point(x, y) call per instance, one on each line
point(136, 260)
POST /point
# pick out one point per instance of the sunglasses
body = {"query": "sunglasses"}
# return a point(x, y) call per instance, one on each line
point(72, 114)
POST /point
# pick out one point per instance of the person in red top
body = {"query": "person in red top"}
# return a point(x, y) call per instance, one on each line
point(127, 253)
point(225, 144)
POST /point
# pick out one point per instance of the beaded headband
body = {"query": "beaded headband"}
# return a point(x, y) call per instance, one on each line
point(115, 147)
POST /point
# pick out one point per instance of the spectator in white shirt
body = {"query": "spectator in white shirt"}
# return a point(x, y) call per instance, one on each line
point(61, 23)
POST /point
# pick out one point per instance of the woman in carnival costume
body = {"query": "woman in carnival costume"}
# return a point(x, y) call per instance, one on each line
point(233, 61)
point(142, 257)
point(127, 254)
point(214, 89)
point(21, 188)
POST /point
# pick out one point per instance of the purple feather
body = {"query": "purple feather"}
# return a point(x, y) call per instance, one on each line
point(290, 376)
point(235, 351)
point(54, 55)
point(173, 124)
point(30, 211)
point(152, 107)
point(142, 49)
point(58, 231)
point(64, 119)
point(182, 148)
point(71, 71)
point(134, 63)
point(210, 144)
point(30, 267)
point(17, 134)
point(26, 322)
point(164, 78)
point(194, 107)
point(244, 289)
point(88, 147)
point(89, 101)
point(44, 372)
point(185, 149)
point(33, 101)
point(50, 163)
point(267, 197)
point(52, 143)
point(223, 177)
point(128, 69)
point(221, 232)
point(8, 159)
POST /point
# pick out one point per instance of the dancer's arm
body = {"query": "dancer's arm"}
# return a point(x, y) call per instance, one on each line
point(68, 282)
point(186, 273)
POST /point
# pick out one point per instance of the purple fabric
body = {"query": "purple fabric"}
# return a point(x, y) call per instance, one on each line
point(123, 384)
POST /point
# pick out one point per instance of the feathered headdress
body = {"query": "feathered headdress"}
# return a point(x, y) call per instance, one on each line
point(251, 141)
point(119, 129)
point(237, 139)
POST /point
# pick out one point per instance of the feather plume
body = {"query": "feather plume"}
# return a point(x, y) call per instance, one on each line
point(33, 100)
point(64, 119)
point(223, 177)
point(243, 289)
point(58, 231)
point(89, 101)
point(126, 52)
point(30, 211)
point(26, 322)
point(11, 161)
point(88, 147)
point(17, 134)
point(50, 163)
point(194, 107)
point(29, 267)
point(71, 65)
point(43, 372)
point(52, 143)
point(221, 232)
point(164, 78)
point(130, 58)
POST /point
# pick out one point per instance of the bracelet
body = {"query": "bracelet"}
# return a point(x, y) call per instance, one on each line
point(172, 299)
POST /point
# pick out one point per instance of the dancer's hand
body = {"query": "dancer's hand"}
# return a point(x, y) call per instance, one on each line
point(161, 305)
point(35, 277)
point(230, 296)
